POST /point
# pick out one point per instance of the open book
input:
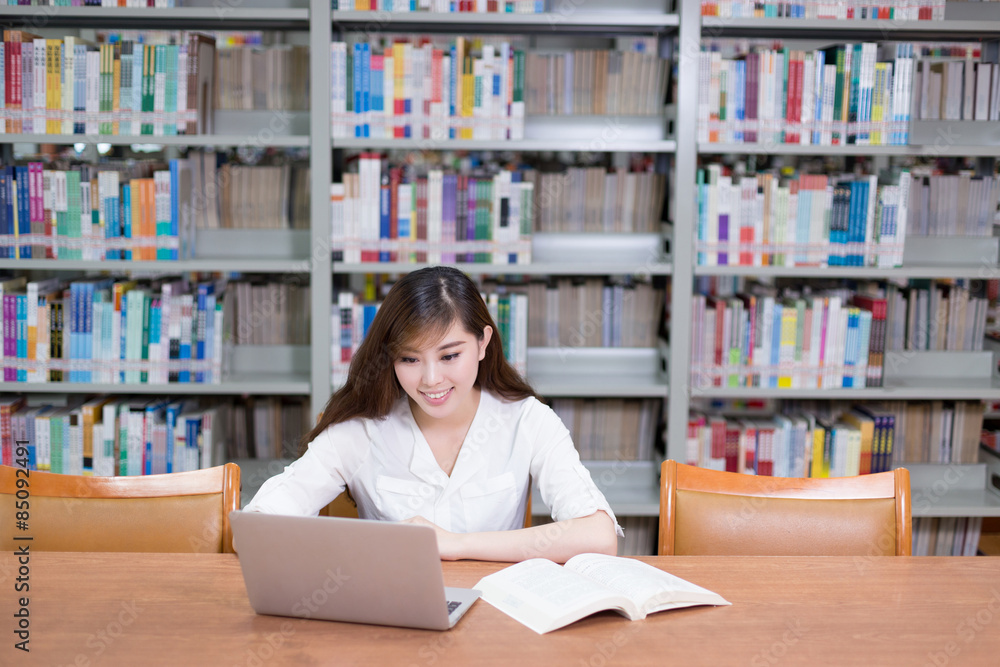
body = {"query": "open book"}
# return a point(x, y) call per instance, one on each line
point(545, 596)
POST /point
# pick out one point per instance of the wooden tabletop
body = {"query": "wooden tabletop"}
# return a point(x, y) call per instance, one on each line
point(192, 609)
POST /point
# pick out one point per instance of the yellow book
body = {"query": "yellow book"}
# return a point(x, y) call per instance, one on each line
point(786, 350)
point(866, 425)
point(91, 411)
point(820, 466)
point(459, 66)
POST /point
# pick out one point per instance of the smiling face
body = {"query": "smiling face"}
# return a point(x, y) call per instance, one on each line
point(440, 376)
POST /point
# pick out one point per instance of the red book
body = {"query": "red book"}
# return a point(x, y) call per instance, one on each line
point(8, 406)
point(421, 219)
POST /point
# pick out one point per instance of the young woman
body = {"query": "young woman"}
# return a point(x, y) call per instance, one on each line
point(434, 427)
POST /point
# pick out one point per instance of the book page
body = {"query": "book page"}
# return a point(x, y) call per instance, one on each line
point(545, 596)
point(650, 588)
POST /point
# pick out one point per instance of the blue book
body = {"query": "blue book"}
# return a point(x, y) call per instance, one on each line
point(175, 215)
point(126, 218)
point(772, 376)
point(358, 109)
point(173, 411)
point(192, 431)
point(453, 74)
point(366, 88)
point(23, 209)
point(384, 209)
point(22, 334)
point(204, 289)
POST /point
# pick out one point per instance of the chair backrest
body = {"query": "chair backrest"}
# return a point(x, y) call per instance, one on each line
point(707, 512)
point(177, 512)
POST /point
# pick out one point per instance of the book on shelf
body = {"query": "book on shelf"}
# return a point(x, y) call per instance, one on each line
point(108, 436)
point(827, 338)
point(611, 429)
point(856, 94)
point(545, 596)
point(442, 6)
point(592, 312)
point(835, 438)
point(112, 331)
point(809, 220)
point(383, 214)
point(278, 75)
point(955, 82)
point(71, 85)
point(921, 10)
point(630, 80)
point(947, 536)
point(426, 88)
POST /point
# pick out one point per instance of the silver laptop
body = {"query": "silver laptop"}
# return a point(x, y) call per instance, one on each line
point(346, 570)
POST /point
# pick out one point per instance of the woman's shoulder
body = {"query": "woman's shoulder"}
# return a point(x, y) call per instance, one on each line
point(521, 407)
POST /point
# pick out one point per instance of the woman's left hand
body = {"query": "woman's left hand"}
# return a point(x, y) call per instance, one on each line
point(447, 541)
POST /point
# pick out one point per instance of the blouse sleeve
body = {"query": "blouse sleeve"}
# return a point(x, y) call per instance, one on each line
point(565, 484)
point(316, 478)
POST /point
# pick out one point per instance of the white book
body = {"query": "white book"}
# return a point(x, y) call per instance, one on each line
point(544, 596)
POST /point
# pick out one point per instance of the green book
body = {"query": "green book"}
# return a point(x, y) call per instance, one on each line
point(74, 210)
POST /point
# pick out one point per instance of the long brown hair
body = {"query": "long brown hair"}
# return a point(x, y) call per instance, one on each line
point(420, 307)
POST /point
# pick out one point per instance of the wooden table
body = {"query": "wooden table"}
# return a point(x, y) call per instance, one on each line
point(181, 609)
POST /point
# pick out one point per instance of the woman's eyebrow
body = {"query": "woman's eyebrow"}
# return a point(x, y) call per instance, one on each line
point(445, 346)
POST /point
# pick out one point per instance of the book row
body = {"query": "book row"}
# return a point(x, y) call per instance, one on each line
point(95, 3)
point(381, 215)
point(828, 338)
point(351, 317)
point(266, 427)
point(593, 312)
point(860, 441)
point(952, 205)
point(599, 199)
point(936, 431)
point(73, 86)
point(599, 82)
point(811, 220)
point(108, 437)
point(641, 535)
point(411, 90)
point(262, 311)
point(909, 10)
point(946, 535)
point(265, 78)
point(845, 94)
point(92, 212)
point(956, 90)
point(442, 6)
point(112, 331)
point(611, 429)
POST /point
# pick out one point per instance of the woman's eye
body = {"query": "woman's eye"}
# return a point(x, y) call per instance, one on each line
point(449, 357)
point(408, 360)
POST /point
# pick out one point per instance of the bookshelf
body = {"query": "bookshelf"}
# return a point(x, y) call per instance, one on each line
point(634, 373)
point(570, 372)
point(944, 490)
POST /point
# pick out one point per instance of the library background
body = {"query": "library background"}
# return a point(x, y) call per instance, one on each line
point(756, 237)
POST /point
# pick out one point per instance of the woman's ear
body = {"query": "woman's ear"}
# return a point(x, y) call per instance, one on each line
point(484, 341)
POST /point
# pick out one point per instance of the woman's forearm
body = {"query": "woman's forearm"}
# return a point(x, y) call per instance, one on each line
point(557, 541)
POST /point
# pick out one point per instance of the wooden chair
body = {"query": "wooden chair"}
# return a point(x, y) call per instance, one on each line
point(178, 512)
point(706, 512)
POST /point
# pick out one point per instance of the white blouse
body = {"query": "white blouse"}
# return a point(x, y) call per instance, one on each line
point(393, 475)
